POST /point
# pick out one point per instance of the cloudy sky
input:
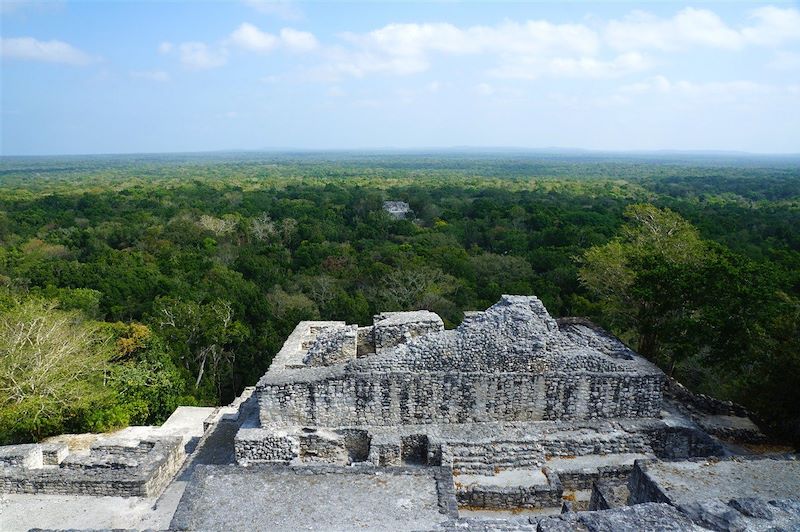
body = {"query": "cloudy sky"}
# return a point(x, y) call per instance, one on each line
point(117, 77)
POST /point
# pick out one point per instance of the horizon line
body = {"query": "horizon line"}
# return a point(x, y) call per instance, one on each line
point(425, 149)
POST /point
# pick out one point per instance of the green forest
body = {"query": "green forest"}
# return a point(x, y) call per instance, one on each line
point(130, 285)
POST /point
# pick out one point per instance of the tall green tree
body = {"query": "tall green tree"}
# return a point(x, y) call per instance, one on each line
point(52, 366)
point(203, 335)
point(644, 280)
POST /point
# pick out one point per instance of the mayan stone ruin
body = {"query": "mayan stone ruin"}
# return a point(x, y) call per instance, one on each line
point(513, 420)
point(399, 210)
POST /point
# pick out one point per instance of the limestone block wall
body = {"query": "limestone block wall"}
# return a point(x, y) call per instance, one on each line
point(54, 453)
point(301, 445)
point(385, 451)
point(125, 471)
point(703, 403)
point(332, 345)
point(256, 445)
point(487, 458)
point(581, 480)
point(642, 488)
point(599, 444)
point(608, 494)
point(511, 497)
point(682, 442)
point(365, 341)
point(398, 210)
point(397, 398)
point(394, 328)
point(28, 455)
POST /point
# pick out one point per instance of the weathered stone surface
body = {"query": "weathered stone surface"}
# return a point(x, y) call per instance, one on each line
point(113, 467)
point(510, 392)
point(398, 210)
point(54, 453)
point(25, 456)
point(751, 513)
point(287, 498)
point(608, 494)
point(714, 515)
point(332, 345)
point(512, 416)
point(685, 482)
point(639, 518)
point(510, 363)
point(752, 507)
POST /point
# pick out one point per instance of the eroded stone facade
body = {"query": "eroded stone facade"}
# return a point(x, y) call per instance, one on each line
point(110, 468)
point(500, 424)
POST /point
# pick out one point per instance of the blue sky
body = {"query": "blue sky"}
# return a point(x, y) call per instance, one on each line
point(120, 77)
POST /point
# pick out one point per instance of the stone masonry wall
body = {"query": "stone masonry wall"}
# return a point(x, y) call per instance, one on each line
point(511, 497)
point(332, 345)
point(416, 398)
point(141, 471)
point(394, 328)
point(487, 458)
point(511, 362)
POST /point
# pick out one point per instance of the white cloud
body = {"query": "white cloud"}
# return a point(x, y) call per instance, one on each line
point(532, 49)
point(199, 56)
point(284, 9)
point(572, 67)
point(298, 41)
point(249, 37)
point(509, 37)
point(693, 27)
point(30, 49)
point(688, 27)
point(774, 26)
point(152, 75)
point(403, 49)
point(358, 63)
point(708, 91)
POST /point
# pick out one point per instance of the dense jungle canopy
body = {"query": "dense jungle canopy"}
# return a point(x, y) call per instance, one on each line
point(133, 284)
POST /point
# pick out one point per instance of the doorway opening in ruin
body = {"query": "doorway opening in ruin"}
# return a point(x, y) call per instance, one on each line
point(414, 449)
point(357, 443)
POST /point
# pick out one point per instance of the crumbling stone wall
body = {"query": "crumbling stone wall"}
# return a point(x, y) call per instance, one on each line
point(301, 445)
point(682, 442)
point(391, 329)
point(509, 363)
point(365, 341)
point(332, 345)
point(402, 398)
point(511, 497)
point(489, 457)
point(256, 445)
point(141, 470)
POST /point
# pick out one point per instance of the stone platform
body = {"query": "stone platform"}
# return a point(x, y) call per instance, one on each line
point(510, 396)
point(685, 481)
point(232, 499)
point(500, 424)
